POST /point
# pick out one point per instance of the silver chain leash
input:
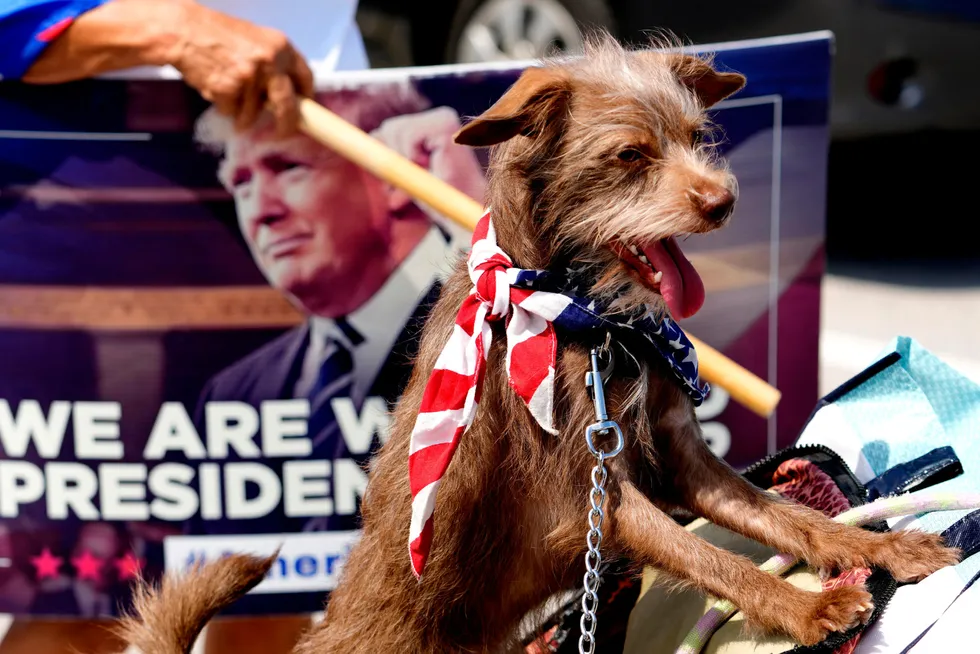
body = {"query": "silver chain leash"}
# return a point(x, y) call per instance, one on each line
point(597, 495)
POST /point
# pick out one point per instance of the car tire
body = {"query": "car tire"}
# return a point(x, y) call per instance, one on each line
point(561, 17)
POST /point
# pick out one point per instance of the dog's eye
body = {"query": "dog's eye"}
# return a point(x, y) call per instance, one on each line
point(698, 137)
point(630, 155)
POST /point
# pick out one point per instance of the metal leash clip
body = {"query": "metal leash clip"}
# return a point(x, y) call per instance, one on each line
point(594, 380)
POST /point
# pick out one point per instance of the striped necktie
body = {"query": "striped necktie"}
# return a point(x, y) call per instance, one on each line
point(335, 379)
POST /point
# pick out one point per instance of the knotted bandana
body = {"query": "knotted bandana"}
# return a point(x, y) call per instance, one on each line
point(534, 303)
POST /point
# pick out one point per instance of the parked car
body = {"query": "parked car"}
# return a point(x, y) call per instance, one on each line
point(902, 65)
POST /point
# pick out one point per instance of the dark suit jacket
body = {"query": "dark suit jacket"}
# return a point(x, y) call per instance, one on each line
point(271, 372)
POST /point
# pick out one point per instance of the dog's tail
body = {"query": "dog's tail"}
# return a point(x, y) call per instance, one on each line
point(168, 619)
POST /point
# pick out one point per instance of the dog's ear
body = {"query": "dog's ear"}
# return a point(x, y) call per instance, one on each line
point(536, 95)
point(710, 85)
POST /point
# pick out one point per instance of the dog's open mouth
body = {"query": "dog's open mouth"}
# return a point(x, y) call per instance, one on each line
point(664, 269)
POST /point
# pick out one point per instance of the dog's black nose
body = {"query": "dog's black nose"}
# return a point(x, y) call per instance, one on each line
point(717, 203)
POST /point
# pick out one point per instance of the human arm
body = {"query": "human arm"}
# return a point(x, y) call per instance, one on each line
point(240, 67)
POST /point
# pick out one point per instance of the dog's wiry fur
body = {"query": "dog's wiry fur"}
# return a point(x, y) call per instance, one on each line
point(622, 100)
point(509, 525)
point(168, 619)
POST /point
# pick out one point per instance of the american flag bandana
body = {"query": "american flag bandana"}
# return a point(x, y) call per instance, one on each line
point(534, 303)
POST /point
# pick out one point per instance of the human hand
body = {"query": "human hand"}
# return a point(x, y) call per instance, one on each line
point(426, 138)
point(241, 68)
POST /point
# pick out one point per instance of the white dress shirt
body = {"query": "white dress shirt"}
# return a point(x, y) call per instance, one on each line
point(380, 320)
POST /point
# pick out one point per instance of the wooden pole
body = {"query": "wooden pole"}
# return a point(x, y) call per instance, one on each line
point(371, 154)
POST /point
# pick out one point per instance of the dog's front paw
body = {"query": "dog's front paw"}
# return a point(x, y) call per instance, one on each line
point(834, 610)
point(914, 555)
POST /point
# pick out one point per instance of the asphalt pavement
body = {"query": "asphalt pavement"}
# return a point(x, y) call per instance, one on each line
point(901, 257)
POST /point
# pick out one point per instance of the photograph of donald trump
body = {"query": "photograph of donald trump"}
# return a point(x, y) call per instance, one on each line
point(360, 260)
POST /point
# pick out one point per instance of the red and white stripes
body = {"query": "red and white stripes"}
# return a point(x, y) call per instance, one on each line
point(453, 391)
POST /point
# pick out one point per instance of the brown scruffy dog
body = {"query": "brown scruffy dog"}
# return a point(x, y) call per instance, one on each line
point(598, 162)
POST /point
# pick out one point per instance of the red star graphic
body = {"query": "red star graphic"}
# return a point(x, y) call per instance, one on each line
point(46, 564)
point(129, 566)
point(88, 566)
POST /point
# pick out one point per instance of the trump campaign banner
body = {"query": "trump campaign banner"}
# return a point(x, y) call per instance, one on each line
point(202, 332)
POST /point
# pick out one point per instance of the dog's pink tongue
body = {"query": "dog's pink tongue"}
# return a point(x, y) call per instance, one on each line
point(681, 285)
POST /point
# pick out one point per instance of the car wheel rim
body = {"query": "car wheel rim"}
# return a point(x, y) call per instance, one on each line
point(506, 30)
